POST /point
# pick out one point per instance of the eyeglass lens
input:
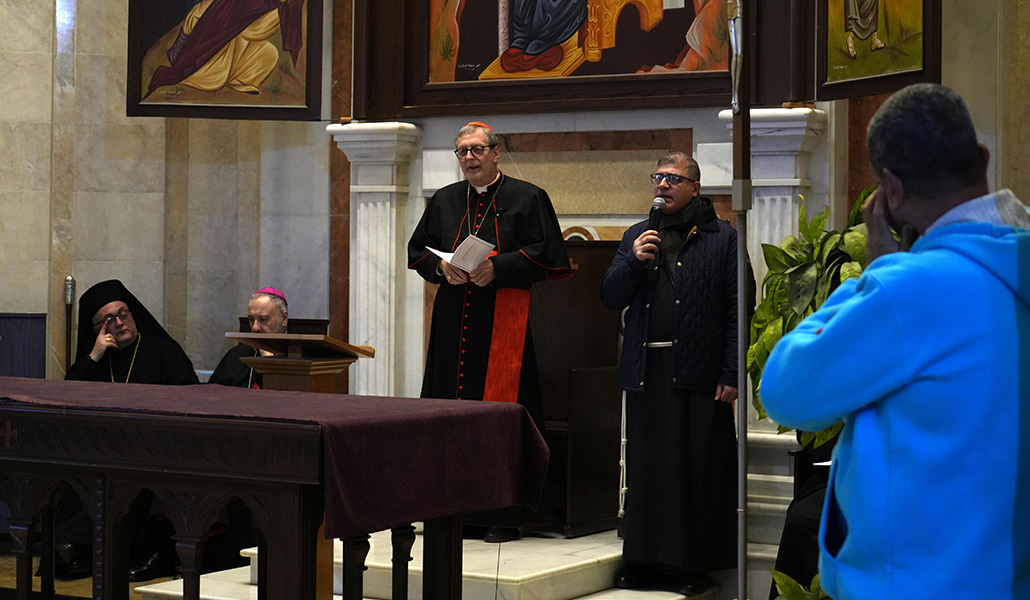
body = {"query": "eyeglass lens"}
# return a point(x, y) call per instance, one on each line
point(672, 178)
point(477, 151)
point(123, 314)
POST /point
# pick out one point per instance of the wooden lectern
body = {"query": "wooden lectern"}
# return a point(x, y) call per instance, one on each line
point(301, 362)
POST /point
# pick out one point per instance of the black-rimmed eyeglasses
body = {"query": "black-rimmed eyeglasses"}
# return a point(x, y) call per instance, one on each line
point(477, 151)
point(108, 320)
point(672, 178)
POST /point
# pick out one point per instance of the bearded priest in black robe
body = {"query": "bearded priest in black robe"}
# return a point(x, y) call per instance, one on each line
point(479, 345)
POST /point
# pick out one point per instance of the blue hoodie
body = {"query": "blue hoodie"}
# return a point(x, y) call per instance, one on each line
point(924, 358)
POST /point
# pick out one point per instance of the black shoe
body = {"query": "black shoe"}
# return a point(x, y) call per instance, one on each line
point(156, 564)
point(635, 576)
point(70, 562)
point(496, 535)
point(632, 581)
point(693, 586)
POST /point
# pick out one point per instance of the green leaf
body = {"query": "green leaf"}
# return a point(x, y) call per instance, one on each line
point(756, 402)
point(795, 248)
point(854, 243)
point(800, 284)
point(802, 221)
point(787, 587)
point(856, 211)
point(777, 259)
point(772, 334)
point(851, 270)
point(826, 286)
point(816, 588)
point(824, 435)
point(818, 224)
point(828, 245)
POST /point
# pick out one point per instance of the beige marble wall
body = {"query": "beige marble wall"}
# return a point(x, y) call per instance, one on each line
point(26, 47)
point(169, 206)
point(1017, 172)
point(109, 170)
point(595, 182)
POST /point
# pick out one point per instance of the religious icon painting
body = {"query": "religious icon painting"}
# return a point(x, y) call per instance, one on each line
point(876, 46)
point(240, 59)
point(539, 55)
point(514, 39)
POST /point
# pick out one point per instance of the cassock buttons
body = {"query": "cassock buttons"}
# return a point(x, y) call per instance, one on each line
point(674, 380)
point(677, 303)
point(641, 383)
point(648, 305)
point(679, 264)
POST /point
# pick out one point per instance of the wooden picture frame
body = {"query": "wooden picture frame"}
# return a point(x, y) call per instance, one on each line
point(899, 51)
point(275, 77)
point(392, 76)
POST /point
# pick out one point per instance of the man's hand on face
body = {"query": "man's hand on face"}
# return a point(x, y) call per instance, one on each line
point(646, 244)
point(105, 341)
point(879, 235)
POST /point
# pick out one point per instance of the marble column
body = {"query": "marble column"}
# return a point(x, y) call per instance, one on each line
point(782, 140)
point(379, 154)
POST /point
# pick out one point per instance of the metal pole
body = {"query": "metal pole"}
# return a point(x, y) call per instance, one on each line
point(741, 104)
point(69, 302)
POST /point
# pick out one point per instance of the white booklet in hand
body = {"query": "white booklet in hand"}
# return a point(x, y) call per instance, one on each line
point(468, 255)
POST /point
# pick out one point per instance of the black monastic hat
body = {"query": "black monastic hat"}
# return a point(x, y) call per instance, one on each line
point(103, 293)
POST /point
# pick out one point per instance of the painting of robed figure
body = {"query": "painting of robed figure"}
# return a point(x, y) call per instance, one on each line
point(512, 39)
point(221, 53)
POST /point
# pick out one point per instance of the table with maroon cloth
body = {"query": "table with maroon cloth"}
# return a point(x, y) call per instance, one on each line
point(366, 463)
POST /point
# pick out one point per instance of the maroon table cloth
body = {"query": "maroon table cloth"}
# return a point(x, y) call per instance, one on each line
point(387, 461)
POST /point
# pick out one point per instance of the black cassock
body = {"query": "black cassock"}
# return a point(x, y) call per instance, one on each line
point(479, 344)
point(232, 371)
point(150, 359)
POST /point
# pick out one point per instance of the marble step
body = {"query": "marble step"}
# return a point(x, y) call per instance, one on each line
point(533, 568)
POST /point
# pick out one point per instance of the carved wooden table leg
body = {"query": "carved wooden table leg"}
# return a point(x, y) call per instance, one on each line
point(190, 551)
point(355, 550)
point(441, 559)
point(401, 539)
point(22, 538)
point(46, 554)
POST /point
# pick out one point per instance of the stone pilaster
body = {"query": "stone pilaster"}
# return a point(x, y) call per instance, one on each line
point(782, 140)
point(379, 154)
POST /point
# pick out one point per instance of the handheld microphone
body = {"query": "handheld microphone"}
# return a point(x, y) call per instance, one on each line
point(655, 217)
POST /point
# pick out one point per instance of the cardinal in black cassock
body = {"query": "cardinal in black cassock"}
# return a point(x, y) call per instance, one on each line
point(480, 346)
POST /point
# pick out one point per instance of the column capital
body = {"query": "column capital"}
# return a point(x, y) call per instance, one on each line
point(782, 130)
point(380, 142)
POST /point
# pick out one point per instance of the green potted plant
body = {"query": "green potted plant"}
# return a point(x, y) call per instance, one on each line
point(791, 590)
point(803, 271)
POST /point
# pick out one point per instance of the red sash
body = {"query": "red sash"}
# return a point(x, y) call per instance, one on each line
point(511, 317)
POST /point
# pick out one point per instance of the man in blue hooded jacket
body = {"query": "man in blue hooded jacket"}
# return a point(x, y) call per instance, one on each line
point(923, 358)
